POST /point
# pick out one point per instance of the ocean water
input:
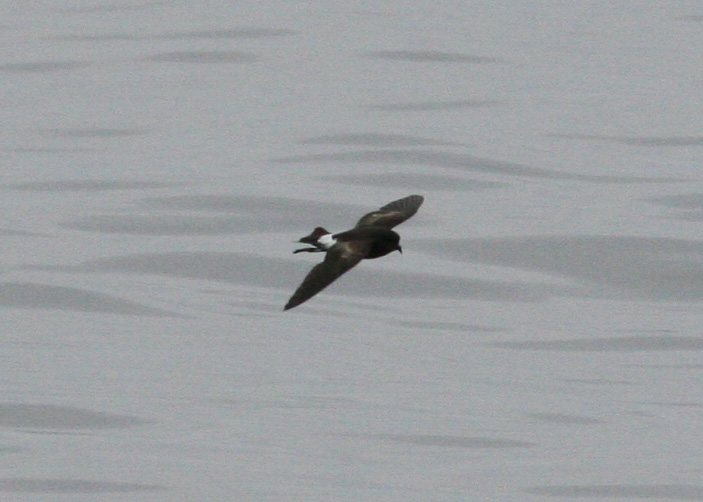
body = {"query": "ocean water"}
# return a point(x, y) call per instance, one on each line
point(539, 339)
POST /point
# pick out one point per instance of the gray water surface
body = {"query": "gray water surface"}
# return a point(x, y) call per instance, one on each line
point(538, 339)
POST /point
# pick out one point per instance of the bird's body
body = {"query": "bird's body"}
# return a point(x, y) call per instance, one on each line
point(372, 237)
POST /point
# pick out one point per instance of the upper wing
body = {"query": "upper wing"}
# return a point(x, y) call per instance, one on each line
point(394, 213)
point(337, 262)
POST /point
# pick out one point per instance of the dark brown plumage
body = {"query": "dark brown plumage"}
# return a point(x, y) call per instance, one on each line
point(372, 237)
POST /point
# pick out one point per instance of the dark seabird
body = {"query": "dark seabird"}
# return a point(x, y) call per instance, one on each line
point(372, 237)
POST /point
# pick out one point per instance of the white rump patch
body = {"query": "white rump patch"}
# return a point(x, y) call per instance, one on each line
point(326, 241)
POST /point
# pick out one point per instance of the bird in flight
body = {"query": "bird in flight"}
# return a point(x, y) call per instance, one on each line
point(372, 237)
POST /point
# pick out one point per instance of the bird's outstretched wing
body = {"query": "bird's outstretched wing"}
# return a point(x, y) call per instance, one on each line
point(392, 214)
point(337, 261)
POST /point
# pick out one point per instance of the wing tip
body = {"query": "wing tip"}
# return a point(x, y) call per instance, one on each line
point(416, 199)
point(413, 202)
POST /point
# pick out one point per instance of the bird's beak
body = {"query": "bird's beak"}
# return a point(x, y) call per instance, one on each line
point(400, 249)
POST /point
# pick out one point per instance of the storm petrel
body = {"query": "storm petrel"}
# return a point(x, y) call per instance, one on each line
point(372, 237)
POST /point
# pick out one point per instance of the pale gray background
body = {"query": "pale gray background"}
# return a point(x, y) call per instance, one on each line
point(540, 339)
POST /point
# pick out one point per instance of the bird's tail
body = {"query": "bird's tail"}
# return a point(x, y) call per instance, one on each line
point(313, 238)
